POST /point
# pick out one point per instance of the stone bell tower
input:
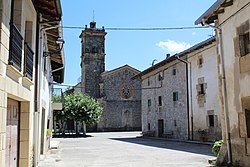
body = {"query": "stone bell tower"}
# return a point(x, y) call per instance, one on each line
point(92, 59)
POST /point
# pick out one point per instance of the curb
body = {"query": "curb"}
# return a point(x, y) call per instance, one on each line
point(178, 140)
point(54, 144)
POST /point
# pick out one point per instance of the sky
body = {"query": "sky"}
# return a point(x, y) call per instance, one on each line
point(135, 48)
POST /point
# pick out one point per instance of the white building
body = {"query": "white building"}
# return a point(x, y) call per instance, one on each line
point(204, 91)
point(231, 20)
point(27, 69)
point(180, 95)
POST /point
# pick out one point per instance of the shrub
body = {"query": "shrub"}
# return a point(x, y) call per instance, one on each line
point(216, 147)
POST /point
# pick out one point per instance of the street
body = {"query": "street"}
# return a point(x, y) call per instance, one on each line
point(124, 149)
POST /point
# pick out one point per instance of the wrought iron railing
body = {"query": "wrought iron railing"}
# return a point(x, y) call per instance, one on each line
point(28, 61)
point(16, 45)
point(57, 95)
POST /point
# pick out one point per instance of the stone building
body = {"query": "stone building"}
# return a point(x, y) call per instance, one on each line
point(164, 102)
point(121, 100)
point(180, 95)
point(121, 110)
point(231, 20)
point(27, 70)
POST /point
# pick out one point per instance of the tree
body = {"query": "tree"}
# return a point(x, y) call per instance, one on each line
point(82, 108)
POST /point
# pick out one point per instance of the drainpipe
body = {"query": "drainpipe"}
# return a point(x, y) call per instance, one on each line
point(224, 92)
point(188, 112)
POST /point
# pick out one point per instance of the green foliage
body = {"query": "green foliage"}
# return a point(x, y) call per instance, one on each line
point(216, 147)
point(49, 133)
point(81, 108)
point(56, 98)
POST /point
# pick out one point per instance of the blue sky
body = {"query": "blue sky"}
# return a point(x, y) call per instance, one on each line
point(135, 48)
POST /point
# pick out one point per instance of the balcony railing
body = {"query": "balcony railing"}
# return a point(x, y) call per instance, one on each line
point(28, 61)
point(57, 98)
point(16, 45)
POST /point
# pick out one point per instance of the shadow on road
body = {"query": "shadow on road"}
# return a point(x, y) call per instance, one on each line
point(173, 145)
point(72, 136)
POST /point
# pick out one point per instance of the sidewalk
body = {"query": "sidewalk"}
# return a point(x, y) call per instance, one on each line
point(54, 144)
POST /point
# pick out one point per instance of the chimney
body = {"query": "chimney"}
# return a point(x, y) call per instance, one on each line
point(92, 24)
point(167, 55)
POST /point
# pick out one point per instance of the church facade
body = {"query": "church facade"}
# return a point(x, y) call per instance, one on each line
point(119, 94)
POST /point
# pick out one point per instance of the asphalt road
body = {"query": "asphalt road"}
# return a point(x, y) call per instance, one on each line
point(124, 149)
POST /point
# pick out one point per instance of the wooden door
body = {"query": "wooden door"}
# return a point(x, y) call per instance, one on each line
point(11, 158)
point(160, 127)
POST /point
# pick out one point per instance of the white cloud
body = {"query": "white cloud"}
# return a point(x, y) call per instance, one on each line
point(194, 33)
point(173, 46)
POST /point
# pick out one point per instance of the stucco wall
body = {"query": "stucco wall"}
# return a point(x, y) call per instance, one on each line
point(15, 86)
point(209, 102)
point(237, 81)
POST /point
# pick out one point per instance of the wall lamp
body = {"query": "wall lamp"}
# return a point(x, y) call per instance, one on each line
point(60, 42)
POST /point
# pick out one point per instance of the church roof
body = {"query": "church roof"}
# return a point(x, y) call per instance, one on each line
point(106, 73)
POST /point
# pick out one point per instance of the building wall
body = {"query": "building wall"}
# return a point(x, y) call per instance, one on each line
point(173, 113)
point(14, 85)
point(204, 71)
point(121, 111)
point(237, 74)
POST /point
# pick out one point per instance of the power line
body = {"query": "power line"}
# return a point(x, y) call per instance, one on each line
point(141, 29)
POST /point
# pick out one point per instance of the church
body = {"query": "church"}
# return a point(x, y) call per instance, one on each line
point(118, 93)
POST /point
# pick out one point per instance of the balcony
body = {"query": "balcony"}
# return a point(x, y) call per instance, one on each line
point(16, 45)
point(28, 61)
point(57, 97)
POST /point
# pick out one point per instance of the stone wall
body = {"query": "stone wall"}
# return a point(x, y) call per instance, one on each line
point(121, 99)
point(160, 85)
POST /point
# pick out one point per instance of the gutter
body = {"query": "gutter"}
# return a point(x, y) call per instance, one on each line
point(224, 91)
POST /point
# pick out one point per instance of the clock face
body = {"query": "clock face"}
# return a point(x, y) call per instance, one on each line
point(126, 90)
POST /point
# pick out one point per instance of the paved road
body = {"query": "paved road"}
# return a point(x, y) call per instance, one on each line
point(123, 149)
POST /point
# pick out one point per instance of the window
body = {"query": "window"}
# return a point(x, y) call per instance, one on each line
point(202, 90)
point(149, 126)
point(175, 96)
point(160, 76)
point(159, 101)
point(200, 61)
point(149, 102)
point(248, 122)
point(174, 71)
point(242, 40)
point(175, 123)
point(244, 44)
point(211, 120)
point(148, 82)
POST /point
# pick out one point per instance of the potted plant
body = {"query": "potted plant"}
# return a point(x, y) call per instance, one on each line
point(202, 133)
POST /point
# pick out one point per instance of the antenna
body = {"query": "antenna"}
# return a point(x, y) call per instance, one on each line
point(93, 15)
point(153, 62)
